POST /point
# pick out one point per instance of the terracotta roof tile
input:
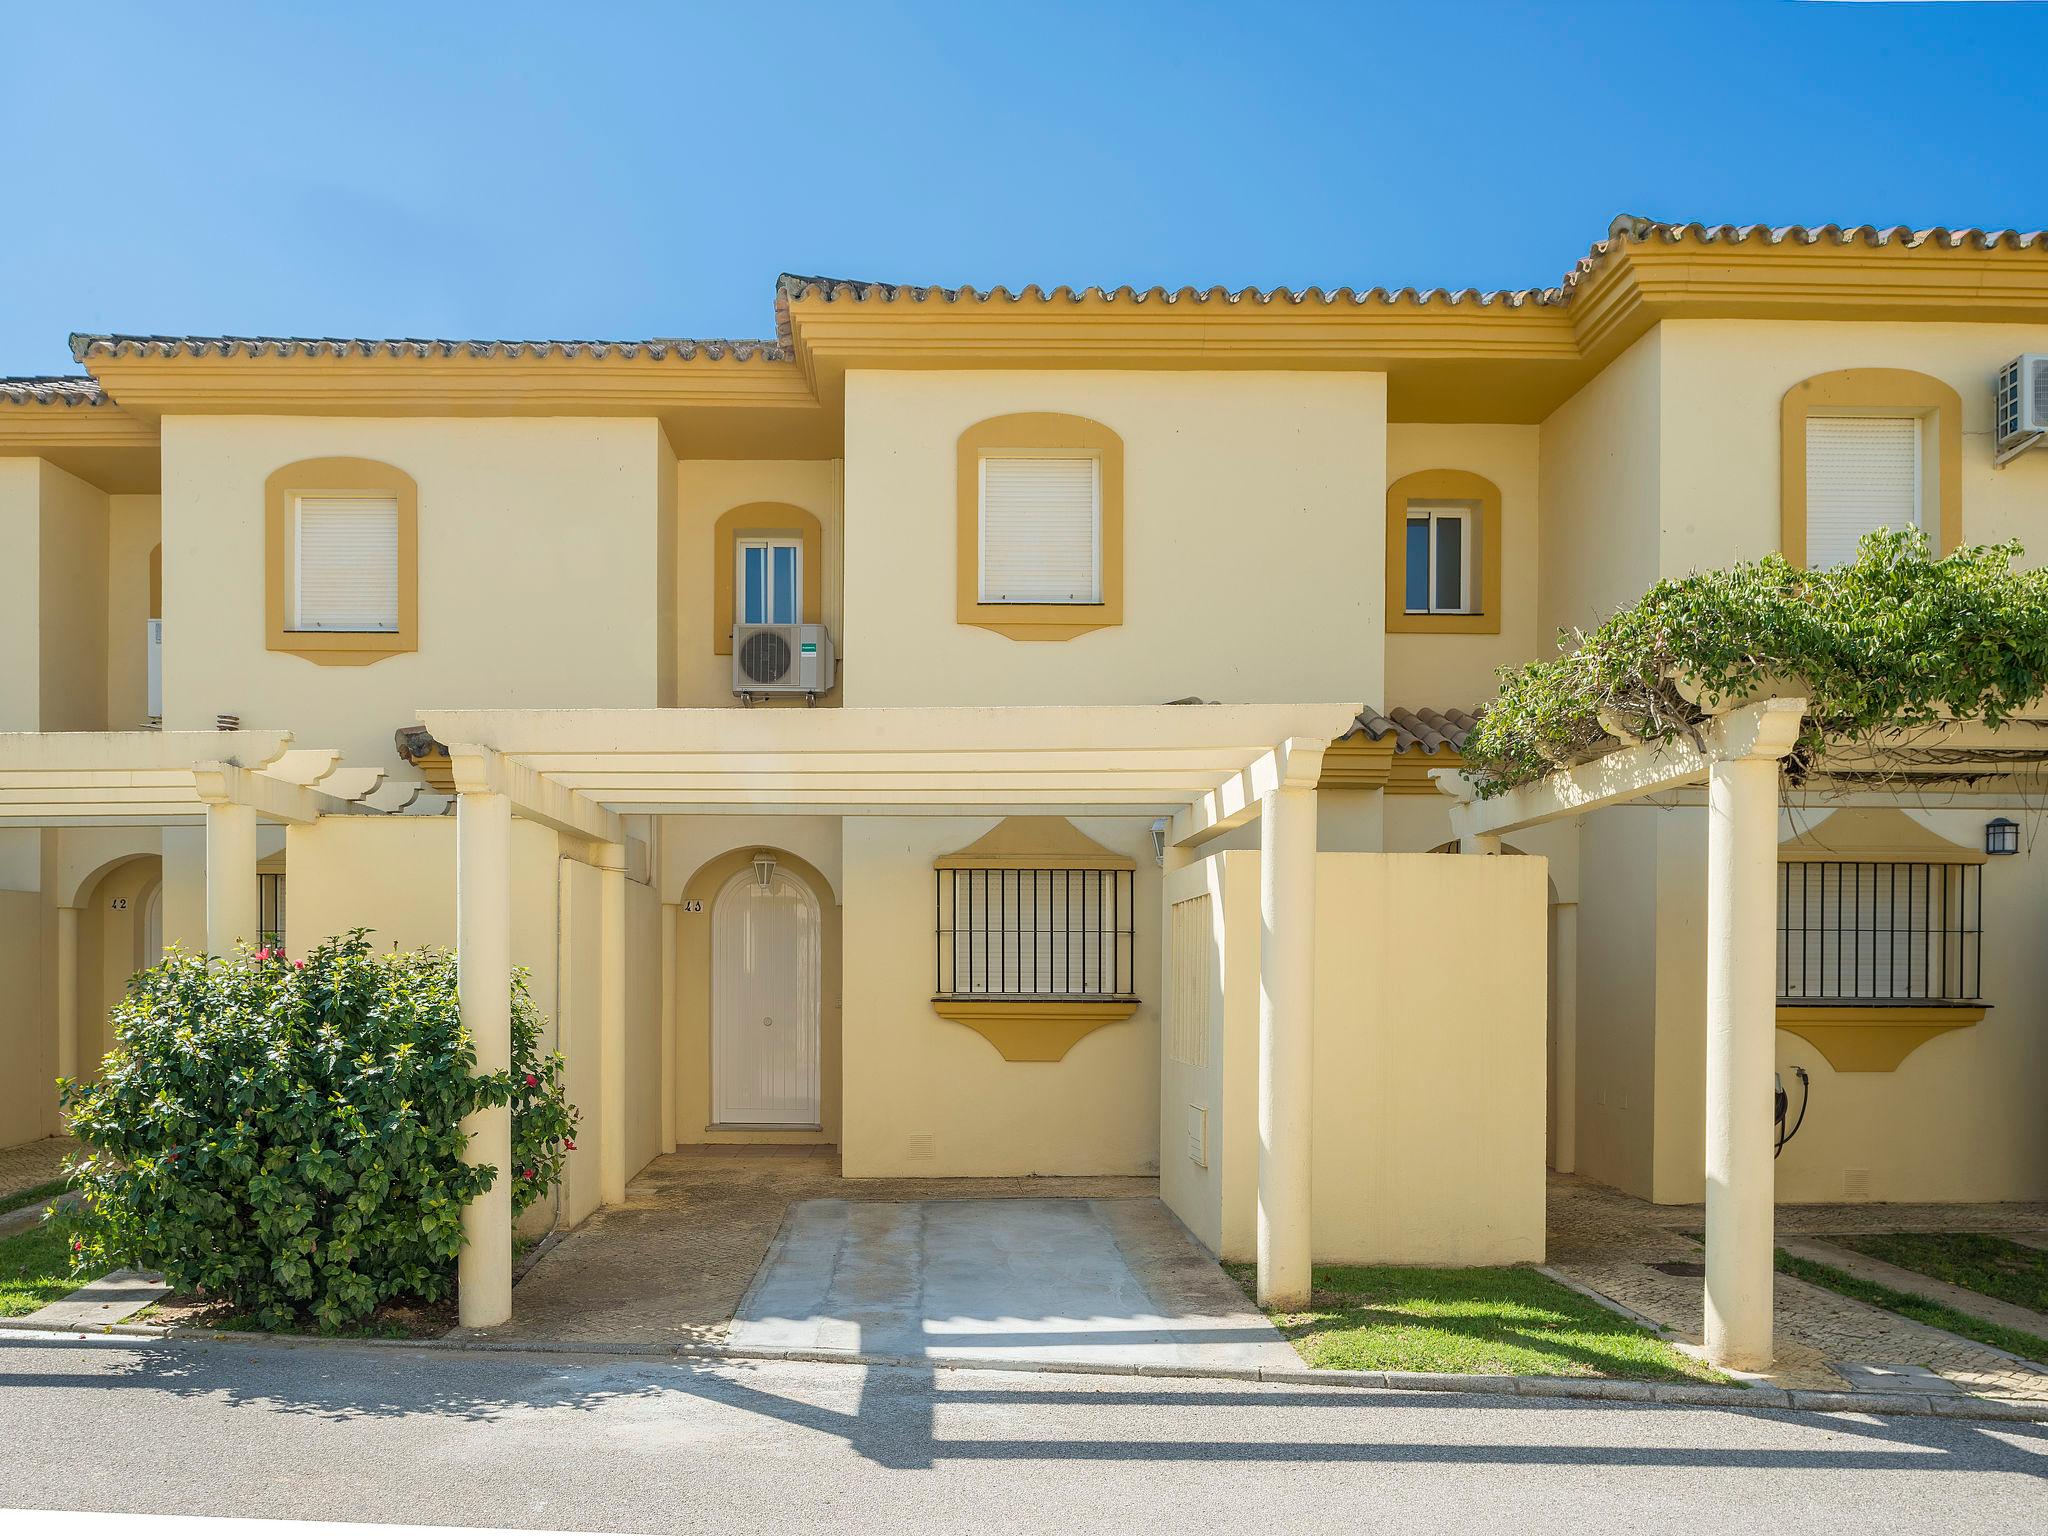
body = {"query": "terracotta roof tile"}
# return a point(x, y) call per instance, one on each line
point(51, 389)
point(659, 349)
point(1430, 730)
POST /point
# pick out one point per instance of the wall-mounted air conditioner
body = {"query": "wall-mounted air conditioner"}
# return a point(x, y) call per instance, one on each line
point(2022, 405)
point(781, 658)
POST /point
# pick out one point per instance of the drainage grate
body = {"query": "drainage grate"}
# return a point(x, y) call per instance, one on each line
point(1685, 1269)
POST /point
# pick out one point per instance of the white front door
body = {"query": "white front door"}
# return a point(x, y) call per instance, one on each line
point(764, 1003)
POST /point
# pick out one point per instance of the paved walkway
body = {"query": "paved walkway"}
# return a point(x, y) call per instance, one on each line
point(1610, 1241)
point(671, 1265)
point(1087, 1282)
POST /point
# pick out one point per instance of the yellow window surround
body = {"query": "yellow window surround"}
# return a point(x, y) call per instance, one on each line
point(1034, 1028)
point(1039, 432)
point(1440, 485)
point(356, 477)
point(763, 519)
point(1876, 392)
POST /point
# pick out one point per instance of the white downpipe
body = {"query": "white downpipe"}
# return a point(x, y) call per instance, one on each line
point(1742, 851)
point(1287, 966)
point(233, 912)
point(611, 1082)
point(483, 960)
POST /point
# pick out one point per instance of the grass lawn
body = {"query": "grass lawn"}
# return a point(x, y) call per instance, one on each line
point(1932, 1313)
point(42, 1194)
point(35, 1267)
point(1977, 1261)
point(1470, 1322)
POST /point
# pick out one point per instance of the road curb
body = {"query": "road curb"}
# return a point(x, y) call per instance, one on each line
point(1553, 1388)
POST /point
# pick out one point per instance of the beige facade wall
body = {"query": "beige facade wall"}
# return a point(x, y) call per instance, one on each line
point(1254, 539)
point(1618, 992)
point(1428, 1120)
point(1959, 1120)
point(1724, 381)
point(909, 1073)
point(1599, 482)
point(53, 599)
point(21, 610)
point(706, 490)
point(1441, 671)
point(27, 1042)
point(134, 529)
point(110, 935)
point(539, 584)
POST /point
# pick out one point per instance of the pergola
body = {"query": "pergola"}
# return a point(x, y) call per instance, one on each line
point(1197, 770)
point(225, 781)
point(1738, 757)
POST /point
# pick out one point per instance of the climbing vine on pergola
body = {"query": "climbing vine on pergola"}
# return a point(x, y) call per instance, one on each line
point(1892, 641)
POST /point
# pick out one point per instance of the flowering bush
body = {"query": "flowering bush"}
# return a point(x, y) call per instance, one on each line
point(286, 1135)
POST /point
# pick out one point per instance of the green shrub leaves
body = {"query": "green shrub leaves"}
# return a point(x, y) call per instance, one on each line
point(1890, 641)
point(287, 1135)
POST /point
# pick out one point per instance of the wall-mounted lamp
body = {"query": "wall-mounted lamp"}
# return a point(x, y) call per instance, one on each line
point(2002, 836)
point(764, 869)
point(1159, 842)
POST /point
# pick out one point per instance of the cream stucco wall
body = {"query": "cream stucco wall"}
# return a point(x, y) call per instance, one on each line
point(1599, 477)
point(909, 1073)
point(134, 527)
point(539, 578)
point(1254, 542)
point(53, 599)
point(1428, 1110)
point(27, 1043)
point(1442, 671)
point(706, 490)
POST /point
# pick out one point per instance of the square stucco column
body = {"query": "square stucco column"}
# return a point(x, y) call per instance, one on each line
point(1287, 978)
point(483, 972)
point(1742, 856)
point(233, 911)
point(611, 1029)
point(669, 914)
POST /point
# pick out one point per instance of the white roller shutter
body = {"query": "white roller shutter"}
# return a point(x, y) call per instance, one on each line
point(1041, 530)
point(347, 563)
point(1862, 473)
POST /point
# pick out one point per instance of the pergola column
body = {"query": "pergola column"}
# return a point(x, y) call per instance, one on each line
point(611, 1028)
point(233, 912)
point(1287, 966)
point(67, 991)
point(483, 963)
point(1742, 855)
point(669, 913)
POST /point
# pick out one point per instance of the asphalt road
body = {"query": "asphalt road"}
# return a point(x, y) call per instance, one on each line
point(389, 1434)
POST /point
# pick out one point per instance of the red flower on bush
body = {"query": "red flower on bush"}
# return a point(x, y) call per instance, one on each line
point(263, 954)
point(568, 1145)
point(526, 1173)
point(532, 1081)
point(298, 965)
point(78, 1245)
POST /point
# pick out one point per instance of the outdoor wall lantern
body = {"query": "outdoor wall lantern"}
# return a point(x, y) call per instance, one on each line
point(764, 869)
point(2002, 836)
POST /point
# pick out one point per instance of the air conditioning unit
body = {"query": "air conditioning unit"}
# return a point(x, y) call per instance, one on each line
point(781, 658)
point(2022, 405)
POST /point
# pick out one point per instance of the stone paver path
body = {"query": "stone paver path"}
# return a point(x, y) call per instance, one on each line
point(108, 1299)
point(33, 1163)
point(671, 1264)
point(1608, 1240)
point(1959, 1298)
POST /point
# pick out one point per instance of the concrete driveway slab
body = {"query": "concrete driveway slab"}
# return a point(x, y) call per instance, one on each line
point(1087, 1282)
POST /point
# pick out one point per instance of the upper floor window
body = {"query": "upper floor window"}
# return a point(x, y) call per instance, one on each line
point(1442, 549)
point(1040, 533)
point(341, 561)
point(346, 571)
point(770, 579)
point(1862, 473)
point(1868, 448)
point(1041, 528)
point(1444, 554)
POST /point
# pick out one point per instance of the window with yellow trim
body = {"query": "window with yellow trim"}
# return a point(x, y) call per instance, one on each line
point(1443, 553)
point(341, 561)
point(1863, 449)
point(1040, 526)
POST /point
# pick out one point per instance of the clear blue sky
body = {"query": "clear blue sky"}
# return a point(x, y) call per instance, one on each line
point(608, 170)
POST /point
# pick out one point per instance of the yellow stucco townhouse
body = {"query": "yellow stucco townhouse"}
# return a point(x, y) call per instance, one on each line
point(991, 733)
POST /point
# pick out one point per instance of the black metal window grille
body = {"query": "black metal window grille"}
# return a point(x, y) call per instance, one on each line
point(1034, 933)
point(1880, 933)
point(270, 908)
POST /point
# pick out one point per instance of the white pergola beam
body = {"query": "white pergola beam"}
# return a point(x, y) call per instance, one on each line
point(1629, 773)
point(483, 770)
point(75, 752)
point(1296, 763)
point(225, 784)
